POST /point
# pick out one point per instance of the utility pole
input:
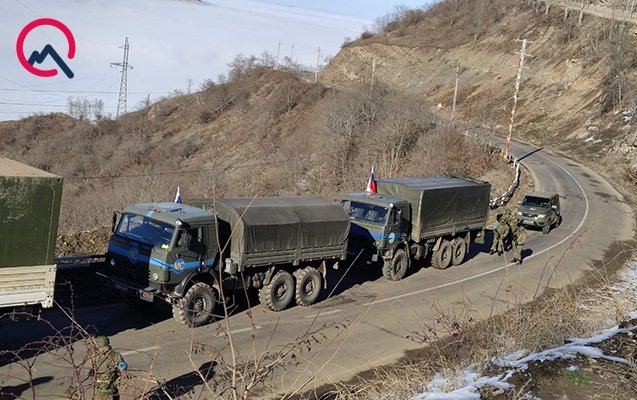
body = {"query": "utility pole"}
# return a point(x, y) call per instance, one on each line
point(522, 54)
point(318, 64)
point(371, 86)
point(278, 52)
point(123, 85)
point(292, 54)
point(455, 95)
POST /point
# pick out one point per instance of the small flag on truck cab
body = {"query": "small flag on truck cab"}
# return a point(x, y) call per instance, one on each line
point(371, 184)
point(178, 196)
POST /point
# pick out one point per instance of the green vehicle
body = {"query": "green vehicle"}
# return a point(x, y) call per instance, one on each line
point(414, 218)
point(194, 257)
point(29, 211)
point(540, 210)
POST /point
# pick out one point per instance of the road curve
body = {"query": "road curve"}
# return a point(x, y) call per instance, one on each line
point(367, 320)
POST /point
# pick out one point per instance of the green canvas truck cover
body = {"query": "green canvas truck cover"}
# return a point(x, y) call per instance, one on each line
point(441, 204)
point(286, 225)
point(29, 212)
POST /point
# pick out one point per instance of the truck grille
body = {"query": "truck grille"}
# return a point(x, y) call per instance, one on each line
point(136, 273)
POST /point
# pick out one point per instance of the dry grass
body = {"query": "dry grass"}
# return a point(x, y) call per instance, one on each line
point(265, 132)
point(456, 340)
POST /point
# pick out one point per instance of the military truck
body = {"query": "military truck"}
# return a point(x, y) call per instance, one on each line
point(193, 257)
point(29, 211)
point(414, 218)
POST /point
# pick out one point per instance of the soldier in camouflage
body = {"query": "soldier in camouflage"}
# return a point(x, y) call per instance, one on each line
point(500, 232)
point(519, 238)
point(511, 221)
point(107, 368)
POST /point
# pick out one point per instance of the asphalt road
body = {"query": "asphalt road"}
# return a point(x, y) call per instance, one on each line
point(365, 322)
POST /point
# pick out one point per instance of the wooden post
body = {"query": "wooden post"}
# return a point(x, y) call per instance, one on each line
point(373, 72)
point(455, 95)
point(318, 64)
point(515, 98)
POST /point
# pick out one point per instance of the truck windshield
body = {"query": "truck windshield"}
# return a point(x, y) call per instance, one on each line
point(143, 229)
point(366, 212)
point(533, 201)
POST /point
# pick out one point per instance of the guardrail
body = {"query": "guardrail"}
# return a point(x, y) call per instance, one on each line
point(506, 196)
point(84, 261)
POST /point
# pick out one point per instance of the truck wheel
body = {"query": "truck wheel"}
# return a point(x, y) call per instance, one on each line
point(308, 286)
point(458, 251)
point(546, 228)
point(442, 258)
point(278, 294)
point(196, 307)
point(396, 269)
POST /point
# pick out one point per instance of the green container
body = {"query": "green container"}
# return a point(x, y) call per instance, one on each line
point(29, 211)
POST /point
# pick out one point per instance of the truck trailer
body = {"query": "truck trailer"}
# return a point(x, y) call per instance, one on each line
point(414, 218)
point(29, 211)
point(194, 257)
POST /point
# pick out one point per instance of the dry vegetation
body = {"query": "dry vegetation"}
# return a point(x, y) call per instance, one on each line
point(266, 132)
point(227, 372)
point(454, 340)
point(263, 132)
point(578, 91)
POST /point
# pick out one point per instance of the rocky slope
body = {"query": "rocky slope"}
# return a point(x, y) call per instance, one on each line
point(577, 89)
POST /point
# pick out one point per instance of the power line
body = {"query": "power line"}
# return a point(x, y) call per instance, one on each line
point(16, 83)
point(7, 103)
point(74, 91)
point(27, 7)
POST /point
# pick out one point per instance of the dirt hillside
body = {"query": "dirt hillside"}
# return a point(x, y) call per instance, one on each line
point(578, 83)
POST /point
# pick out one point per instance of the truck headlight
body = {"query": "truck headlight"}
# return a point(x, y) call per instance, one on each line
point(541, 215)
point(112, 262)
point(154, 276)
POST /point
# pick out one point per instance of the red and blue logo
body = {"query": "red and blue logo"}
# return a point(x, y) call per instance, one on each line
point(47, 51)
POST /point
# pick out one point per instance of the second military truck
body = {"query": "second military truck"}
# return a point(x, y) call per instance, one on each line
point(192, 257)
point(413, 218)
point(29, 210)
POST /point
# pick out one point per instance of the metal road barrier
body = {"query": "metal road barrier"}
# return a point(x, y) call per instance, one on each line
point(85, 261)
point(506, 196)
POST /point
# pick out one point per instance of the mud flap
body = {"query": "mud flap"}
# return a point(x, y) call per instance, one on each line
point(323, 270)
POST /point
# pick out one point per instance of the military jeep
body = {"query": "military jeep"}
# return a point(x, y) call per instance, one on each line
point(540, 210)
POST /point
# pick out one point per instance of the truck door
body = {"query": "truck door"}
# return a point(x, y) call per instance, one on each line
point(191, 248)
point(394, 226)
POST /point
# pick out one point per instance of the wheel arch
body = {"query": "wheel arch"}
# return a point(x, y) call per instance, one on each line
point(195, 277)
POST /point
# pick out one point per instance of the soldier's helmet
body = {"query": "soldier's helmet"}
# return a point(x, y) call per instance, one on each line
point(102, 341)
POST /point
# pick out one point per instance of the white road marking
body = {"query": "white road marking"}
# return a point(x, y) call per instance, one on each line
point(334, 311)
point(506, 265)
point(144, 350)
point(238, 331)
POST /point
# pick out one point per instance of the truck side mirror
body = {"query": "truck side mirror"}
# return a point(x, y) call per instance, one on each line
point(114, 222)
point(554, 207)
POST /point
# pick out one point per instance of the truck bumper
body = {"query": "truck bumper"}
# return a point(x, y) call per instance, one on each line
point(129, 289)
point(364, 255)
point(534, 222)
